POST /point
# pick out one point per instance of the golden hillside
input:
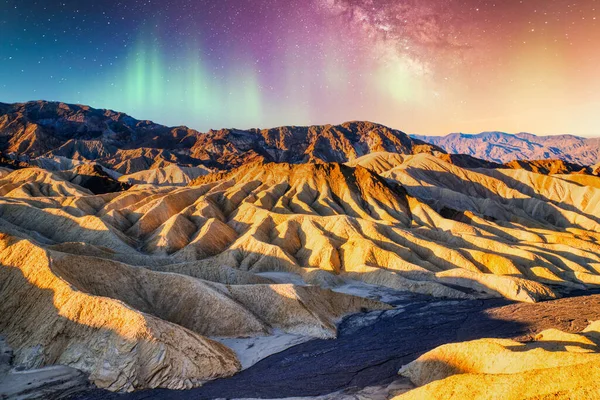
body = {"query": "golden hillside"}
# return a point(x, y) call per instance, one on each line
point(131, 286)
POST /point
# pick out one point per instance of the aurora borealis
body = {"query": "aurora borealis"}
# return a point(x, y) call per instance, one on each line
point(423, 66)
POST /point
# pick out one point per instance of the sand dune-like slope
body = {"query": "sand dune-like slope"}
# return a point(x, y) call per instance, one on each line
point(83, 179)
point(509, 195)
point(52, 322)
point(298, 144)
point(508, 222)
point(556, 365)
point(582, 180)
point(170, 175)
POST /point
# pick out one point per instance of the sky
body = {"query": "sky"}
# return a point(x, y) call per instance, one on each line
point(422, 66)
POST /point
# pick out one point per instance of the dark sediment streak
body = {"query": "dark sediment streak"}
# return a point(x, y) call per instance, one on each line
point(372, 347)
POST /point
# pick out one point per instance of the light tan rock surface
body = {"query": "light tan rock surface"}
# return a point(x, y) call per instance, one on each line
point(556, 365)
point(131, 328)
point(429, 227)
point(37, 182)
point(150, 272)
point(173, 175)
point(51, 322)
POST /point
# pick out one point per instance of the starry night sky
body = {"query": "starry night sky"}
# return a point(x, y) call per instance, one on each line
point(423, 66)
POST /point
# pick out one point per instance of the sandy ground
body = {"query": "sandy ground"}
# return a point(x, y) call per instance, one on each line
point(252, 350)
point(42, 383)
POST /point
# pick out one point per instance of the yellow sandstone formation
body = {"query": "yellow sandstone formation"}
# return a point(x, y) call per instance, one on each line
point(127, 286)
point(556, 365)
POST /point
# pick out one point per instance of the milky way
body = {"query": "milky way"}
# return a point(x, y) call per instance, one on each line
point(424, 66)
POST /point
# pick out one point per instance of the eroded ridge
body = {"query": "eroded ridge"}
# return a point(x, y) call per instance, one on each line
point(132, 286)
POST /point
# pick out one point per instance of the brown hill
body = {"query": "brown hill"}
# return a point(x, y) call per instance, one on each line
point(126, 145)
point(169, 175)
point(320, 143)
point(35, 128)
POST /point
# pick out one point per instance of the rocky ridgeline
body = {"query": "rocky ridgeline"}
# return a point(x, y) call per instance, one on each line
point(126, 145)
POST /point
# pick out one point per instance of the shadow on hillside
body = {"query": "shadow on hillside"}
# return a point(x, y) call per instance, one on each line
point(474, 189)
point(100, 185)
point(371, 354)
point(37, 335)
point(554, 220)
point(364, 354)
point(528, 191)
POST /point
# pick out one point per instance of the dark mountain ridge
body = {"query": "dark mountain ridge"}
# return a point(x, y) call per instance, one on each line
point(121, 142)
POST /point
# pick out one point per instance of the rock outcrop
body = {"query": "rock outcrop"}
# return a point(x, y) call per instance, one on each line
point(171, 175)
point(132, 328)
point(550, 167)
point(119, 142)
point(290, 144)
point(555, 365)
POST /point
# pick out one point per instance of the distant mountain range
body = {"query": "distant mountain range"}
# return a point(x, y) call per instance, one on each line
point(126, 145)
point(60, 136)
point(502, 147)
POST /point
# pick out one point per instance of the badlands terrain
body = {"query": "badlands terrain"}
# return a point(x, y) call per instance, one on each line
point(141, 261)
